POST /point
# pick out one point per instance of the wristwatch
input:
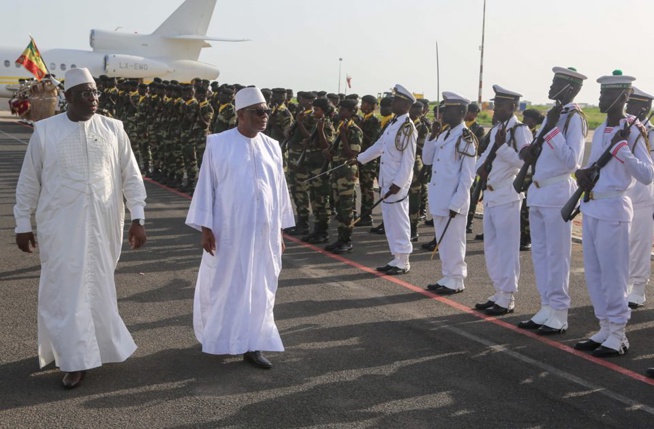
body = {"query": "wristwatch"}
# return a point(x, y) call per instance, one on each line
point(140, 221)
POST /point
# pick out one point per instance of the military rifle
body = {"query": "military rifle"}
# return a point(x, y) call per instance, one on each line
point(572, 208)
point(519, 182)
point(487, 166)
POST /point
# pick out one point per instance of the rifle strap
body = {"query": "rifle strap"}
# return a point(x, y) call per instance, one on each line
point(584, 121)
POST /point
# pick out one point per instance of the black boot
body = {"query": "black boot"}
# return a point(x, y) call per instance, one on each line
point(414, 232)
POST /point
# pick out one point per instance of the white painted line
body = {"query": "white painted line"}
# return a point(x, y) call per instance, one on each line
point(13, 137)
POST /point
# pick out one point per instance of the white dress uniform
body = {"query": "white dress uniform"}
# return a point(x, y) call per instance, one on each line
point(397, 152)
point(606, 223)
point(502, 211)
point(642, 227)
point(562, 154)
point(452, 160)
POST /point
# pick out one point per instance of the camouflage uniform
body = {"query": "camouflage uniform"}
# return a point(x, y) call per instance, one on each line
point(300, 190)
point(188, 163)
point(320, 188)
point(370, 127)
point(130, 124)
point(415, 191)
point(279, 122)
point(344, 180)
point(225, 118)
point(479, 132)
point(201, 130)
point(141, 129)
point(151, 112)
point(174, 157)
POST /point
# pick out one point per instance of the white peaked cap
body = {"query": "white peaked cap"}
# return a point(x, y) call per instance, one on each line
point(248, 97)
point(639, 95)
point(454, 99)
point(402, 92)
point(503, 93)
point(76, 77)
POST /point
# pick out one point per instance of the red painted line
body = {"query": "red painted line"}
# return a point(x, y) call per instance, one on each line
point(484, 317)
point(456, 305)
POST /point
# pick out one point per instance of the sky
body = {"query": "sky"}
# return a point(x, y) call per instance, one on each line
point(297, 43)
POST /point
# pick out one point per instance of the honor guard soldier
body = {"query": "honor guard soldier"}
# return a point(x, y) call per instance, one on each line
point(371, 127)
point(299, 133)
point(281, 118)
point(386, 113)
point(141, 129)
point(345, 150)
point(532, 118)
point(224, 114)
point(607, 215)
point(202, 129)
point(311, 164)
point(451, 157)
point(499, 165)
point(479, 132)
point(642, 224)
point(415, 191)
point(396, 148)
point(562, 143)
point(292, 106)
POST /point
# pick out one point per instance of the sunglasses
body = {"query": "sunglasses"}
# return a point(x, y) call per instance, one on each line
point(260, 111)
point(90, 93)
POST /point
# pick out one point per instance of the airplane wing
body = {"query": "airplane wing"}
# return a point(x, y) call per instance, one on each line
point(203, 37)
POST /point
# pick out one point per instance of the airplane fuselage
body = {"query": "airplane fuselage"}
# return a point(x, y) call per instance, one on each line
point(113, 65)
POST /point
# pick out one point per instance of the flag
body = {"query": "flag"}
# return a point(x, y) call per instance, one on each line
point(32, 61)
point(348, 78)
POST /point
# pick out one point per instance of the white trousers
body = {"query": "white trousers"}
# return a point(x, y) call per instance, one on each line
point(551, 248)
point(640, 249)
point(397, 226)
point(502, 245)
point(452, 250)
point(606, 262)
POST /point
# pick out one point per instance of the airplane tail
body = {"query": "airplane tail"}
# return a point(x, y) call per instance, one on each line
point(191, 18)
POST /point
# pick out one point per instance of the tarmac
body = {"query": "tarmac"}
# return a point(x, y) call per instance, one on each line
point(363, 350)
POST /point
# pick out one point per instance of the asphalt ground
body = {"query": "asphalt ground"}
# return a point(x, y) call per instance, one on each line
point(362, 350)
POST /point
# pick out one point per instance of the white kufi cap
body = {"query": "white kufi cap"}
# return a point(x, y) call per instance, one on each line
point(248, 97)
point(77, 76)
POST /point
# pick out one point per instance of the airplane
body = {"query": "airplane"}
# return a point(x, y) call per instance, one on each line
point(170, 52)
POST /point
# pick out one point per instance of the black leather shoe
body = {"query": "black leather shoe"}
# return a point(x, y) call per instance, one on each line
point(384, 268)
point(525, 246)
point(429, 246)
point(442, 290)
point(546, 330)
point(343, 248)
point(634, 306)
point(415, 236)
point(468, 230)
point(529, 324)
point(429, 222)
point(378, 229)
point(587, 345)
point(73, 379)
point(479, 237)
point(497, 310)
point(604, 352)
point(364, 222)
point(257, 359)
point(394, 271)
point(484, 306)
point(649, 372)
point(433, 287)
